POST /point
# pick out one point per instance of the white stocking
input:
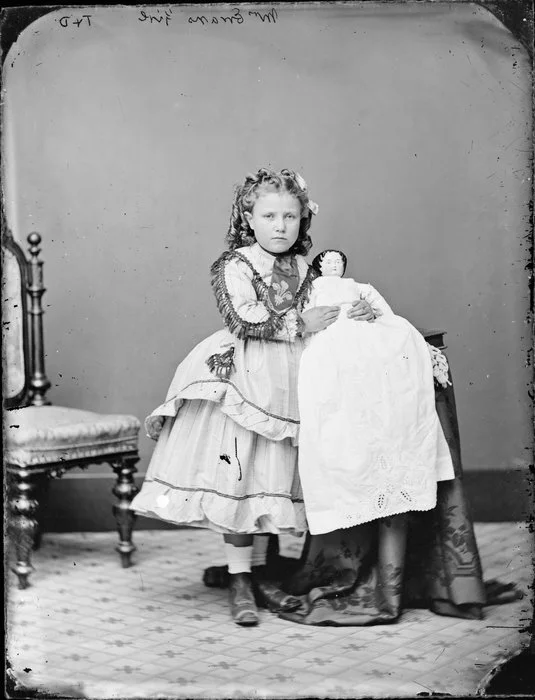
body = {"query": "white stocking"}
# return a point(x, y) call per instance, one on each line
point(238, 558)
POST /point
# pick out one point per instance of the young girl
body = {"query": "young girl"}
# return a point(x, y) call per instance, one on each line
point(371, 444)
point(226, 457)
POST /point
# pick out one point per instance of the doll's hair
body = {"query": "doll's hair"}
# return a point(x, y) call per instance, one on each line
point(241, 234)
point(316, 263)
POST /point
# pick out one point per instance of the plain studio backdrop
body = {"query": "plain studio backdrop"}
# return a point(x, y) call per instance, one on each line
point(124, 137)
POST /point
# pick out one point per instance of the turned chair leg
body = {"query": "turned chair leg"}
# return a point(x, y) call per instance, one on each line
point(125, 490)
point(23, 525)
point(42, 485)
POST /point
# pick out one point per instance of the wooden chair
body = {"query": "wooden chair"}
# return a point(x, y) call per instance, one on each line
point(44, 441)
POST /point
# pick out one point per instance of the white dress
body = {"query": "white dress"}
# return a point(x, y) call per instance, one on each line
point(226, 458)
point(370, 443)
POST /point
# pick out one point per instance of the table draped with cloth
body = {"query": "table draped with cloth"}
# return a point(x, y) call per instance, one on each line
point(362, 575)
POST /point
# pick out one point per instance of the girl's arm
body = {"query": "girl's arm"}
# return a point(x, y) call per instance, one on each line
point(376, 301)
point(311, 301)
point(237, 292)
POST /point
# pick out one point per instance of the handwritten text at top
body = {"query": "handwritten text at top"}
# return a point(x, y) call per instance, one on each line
point(237, 17)
point(74, 21)
point(155, 16)
point(158, 17)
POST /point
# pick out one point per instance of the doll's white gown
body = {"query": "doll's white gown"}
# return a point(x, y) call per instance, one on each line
point(370, 441)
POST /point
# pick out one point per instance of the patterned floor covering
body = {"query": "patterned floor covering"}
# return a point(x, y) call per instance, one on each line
point(87, 628)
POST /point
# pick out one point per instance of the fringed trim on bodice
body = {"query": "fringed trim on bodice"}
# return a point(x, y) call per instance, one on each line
point(237, 325)
point(303, 293)
point(262, 330)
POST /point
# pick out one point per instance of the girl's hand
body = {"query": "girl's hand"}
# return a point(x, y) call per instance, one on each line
point(318, 318)
point(361, 310)
point(153, 426)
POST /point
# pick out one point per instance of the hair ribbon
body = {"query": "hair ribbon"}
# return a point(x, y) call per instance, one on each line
point(303, 185)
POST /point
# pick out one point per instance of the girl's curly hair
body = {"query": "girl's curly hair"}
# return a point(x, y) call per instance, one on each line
point(240, 233)
point(316, 263)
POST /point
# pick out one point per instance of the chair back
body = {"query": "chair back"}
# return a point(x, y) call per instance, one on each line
point(25, 382)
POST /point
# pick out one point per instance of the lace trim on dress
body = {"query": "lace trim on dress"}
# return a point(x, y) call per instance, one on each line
point(441, 368)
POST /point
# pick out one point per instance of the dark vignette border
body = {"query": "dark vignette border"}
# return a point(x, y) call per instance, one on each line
point(516, 15)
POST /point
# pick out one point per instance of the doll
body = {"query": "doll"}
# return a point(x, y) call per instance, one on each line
point(370, 442)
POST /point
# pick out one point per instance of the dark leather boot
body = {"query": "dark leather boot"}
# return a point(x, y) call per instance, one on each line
point(241, 600)
point(268, 593)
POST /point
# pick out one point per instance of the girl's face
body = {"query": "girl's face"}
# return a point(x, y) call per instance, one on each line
point(332, 265)
point(275, 220)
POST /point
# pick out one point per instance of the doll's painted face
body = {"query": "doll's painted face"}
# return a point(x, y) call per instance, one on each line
point(275, 220)
point(332, 265)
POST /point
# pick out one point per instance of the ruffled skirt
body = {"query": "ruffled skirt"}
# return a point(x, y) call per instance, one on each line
point(226, 458)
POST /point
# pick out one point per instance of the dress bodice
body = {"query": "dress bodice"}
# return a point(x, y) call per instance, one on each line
point(263, 262)
point(241, 282)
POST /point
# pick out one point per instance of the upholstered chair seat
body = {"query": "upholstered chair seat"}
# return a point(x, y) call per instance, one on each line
point(39, 435)
point(41, 441)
